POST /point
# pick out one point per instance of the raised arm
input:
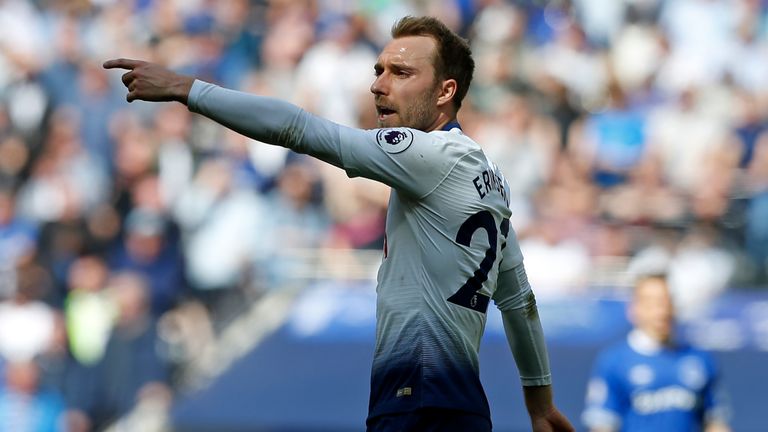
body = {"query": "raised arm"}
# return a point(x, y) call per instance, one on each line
point(269, 120)
point(405, 159)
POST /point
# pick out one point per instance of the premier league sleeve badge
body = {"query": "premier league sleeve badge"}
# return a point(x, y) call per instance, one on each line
point(394, 140)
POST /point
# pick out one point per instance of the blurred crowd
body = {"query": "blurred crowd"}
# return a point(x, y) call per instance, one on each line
point(634, 134)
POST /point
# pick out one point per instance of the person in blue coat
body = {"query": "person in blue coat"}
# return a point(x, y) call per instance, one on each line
point(652, 381)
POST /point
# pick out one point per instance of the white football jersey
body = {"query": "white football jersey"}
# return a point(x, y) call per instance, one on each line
point(447, 239)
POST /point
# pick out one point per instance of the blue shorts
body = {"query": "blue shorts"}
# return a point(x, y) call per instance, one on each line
point(430, 420)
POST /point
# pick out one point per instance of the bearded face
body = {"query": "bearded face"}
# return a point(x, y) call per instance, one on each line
point(406, 88)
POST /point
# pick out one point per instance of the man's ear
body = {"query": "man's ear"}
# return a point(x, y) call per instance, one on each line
point(447, 92)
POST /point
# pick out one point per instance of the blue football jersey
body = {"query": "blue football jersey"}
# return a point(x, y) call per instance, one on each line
point(638, 385)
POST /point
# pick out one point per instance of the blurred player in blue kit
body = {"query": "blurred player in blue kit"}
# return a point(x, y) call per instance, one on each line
point(650, 381)
point(449, 247)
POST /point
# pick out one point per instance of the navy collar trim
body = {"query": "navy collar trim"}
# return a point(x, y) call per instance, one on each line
point(451, 125)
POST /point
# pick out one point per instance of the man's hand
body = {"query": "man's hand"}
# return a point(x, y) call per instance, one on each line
point(151, 82)
point(544, 416)
point(552, 421)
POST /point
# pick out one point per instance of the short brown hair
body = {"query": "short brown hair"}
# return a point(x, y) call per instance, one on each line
point(644, 278)
point(453, 59)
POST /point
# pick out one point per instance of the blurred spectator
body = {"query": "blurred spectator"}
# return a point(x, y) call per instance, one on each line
point(645, 198)
point(135, 158)
point(501, 53)
point(24, 310)
point(18, 236)
point(570, 59)
point(289, 33)
point(65, 185)
point(18, 240)
point(97, 102)
point(62, 374)
point(338, 52)
point(174, 159)
point(25, 405)
point(611, 142)
point(189, 334)
point(15, 156)
point(239, 25)
point(64, 66)
point(133, 367)
point(89, 309)
point(700, 34)
point(683, 136)
point(151, 249)
point(61, 242)
point(294, 225)
point(602, 21)
point(557, 237)
point(221, 220)
point(524, 144)
point(357, 212)
point(749, 125)
point(636, 54)
point(748, 65)
point(22, 40)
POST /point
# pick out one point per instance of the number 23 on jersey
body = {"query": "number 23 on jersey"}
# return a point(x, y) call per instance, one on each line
point(468, 295)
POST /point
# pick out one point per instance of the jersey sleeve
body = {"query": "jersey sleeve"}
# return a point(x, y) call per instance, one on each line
point(522, 327)
point(408, 160)
point(513, 289)
point(511, 255)
point(606, 401)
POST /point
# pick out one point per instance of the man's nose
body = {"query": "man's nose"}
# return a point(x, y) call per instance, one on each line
point(379, 85)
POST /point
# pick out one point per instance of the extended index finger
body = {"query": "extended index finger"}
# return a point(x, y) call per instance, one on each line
point(122, 63)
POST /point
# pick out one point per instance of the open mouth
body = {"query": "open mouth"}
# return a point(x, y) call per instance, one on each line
point(384, 111)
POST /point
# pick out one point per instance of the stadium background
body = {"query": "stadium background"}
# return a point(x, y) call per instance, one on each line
point(159, 270)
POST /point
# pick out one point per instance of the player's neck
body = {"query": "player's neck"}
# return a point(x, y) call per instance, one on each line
point(441, 121)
